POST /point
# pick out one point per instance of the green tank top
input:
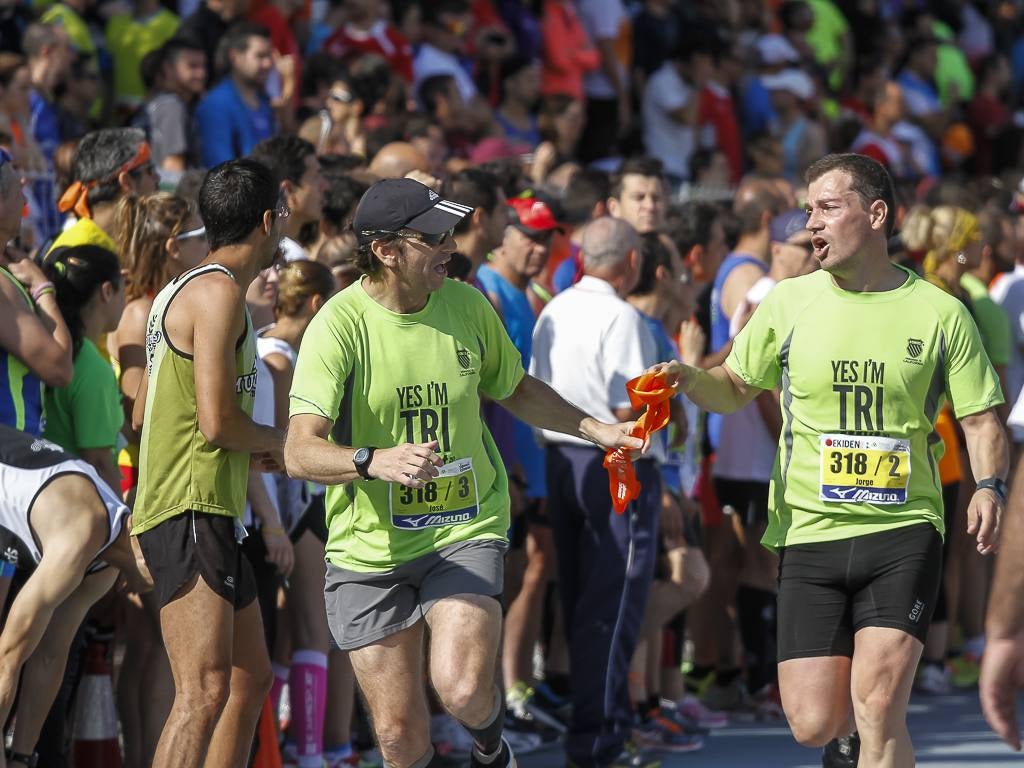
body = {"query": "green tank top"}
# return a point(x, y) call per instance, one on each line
point(180, 470)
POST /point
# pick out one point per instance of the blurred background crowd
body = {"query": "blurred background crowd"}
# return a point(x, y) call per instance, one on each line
point(693, 121)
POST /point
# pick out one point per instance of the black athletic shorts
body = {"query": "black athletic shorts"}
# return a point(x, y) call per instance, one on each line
point(829, 590)
point(198, 543)
point(534, 514)
point(748, 497)
point(314, 520)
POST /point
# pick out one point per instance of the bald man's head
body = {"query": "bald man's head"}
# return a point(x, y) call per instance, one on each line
point(396, 159)
point(607, 242)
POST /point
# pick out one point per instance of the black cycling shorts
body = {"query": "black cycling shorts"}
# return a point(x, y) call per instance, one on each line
point(748, 497)
point(198, 543)
point(829, 590)
point(314, 520)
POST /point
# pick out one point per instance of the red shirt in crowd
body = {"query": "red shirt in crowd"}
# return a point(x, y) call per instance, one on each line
point(987, 118)
point(716, 109)
point(568, 52)
point(381, 39)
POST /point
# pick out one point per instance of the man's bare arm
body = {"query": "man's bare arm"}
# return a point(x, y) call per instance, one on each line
point(988, 449)
point(221, 420)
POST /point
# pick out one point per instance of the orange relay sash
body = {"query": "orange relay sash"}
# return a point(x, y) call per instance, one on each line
point(652, 390)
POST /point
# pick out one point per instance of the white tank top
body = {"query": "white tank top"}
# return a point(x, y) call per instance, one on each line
point(746, 449)
point(27, 465)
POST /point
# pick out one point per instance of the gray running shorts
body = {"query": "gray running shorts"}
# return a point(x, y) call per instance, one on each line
point(363, 608)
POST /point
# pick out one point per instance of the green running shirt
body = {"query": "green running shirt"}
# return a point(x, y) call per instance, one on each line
point(863, 376)
point(179, 469)
point(384, 379)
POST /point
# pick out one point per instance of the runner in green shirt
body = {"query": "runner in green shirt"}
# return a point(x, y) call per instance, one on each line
point(198, 438)
point(865, 354)
point(385, 410)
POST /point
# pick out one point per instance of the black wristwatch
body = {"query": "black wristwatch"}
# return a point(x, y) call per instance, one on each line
point(994, 484)
point(362, 459)
point(19, 757)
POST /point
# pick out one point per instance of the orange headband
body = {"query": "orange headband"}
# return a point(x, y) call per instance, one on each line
point(76, 197)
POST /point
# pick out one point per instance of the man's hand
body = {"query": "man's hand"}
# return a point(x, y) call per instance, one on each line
point(1002, 677)
point(983, 517)
point(279, 549)
point(267, 461)
point(673, 371)
point(25, 270)
point(613, 436)
point(410, 464)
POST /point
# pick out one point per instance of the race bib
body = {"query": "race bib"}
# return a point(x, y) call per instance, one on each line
point(451, 498)
point(873, 470)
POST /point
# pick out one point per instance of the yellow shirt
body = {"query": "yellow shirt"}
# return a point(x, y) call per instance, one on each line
point(74, 25)
point(129, 39)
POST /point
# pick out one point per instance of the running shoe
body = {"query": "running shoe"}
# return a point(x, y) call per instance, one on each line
point(733, 698)
point(933, 680)
point(768, 704)
point(964, 670)
point(631, 756)
point(558, 706)
point(521, 701)
point(693, 708)
point(841, 753)
point(523, 743)
point(658, 733)
point(507, 759)
point(670, 713)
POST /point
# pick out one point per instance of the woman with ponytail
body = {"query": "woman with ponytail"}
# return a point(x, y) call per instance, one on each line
point(85, 417)
point(315, 686)
point(159, 236)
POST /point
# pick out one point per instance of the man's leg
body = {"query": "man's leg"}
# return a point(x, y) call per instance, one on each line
point(884, 663)
point(41, 677)
point(816, 698)
point(390, 676)
point(251, 677)
point(612, 569)
point(465, 634)
point(523, 620)
point(197, 627)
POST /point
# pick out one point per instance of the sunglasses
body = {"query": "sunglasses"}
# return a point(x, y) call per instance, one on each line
point(430, 240)
point(342, 96)
point(199, 232)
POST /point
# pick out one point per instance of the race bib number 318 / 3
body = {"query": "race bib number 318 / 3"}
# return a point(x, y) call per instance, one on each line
point(867, 470)
point(451, 498)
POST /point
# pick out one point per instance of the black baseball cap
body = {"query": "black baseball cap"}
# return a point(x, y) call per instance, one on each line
point(394, 204)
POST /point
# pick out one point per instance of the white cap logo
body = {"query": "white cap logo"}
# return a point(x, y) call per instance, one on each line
point(432, 195)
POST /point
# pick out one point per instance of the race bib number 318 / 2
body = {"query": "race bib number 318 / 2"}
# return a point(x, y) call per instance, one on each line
point(864, 470)
point(451, 498)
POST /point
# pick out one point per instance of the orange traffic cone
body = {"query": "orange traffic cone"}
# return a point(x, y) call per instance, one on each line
point(95, 738)
point(268, 755)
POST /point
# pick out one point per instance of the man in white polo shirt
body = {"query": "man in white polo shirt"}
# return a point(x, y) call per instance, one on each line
point(588, 342)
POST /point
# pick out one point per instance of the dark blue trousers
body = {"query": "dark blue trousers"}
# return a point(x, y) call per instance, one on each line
point(605, 567)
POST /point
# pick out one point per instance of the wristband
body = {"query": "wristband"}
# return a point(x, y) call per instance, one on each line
point(996, 485)
point(42, 289)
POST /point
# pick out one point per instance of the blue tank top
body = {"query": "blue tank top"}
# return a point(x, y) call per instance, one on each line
point(720, 322)
point(21, 391)
point(519, 320)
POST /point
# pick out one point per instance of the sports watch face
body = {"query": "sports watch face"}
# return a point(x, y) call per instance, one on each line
point(361, 456)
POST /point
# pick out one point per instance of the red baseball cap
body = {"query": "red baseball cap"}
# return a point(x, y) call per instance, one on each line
point(531, 215)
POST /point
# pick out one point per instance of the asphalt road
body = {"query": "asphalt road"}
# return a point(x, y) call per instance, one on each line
point(948, 732)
